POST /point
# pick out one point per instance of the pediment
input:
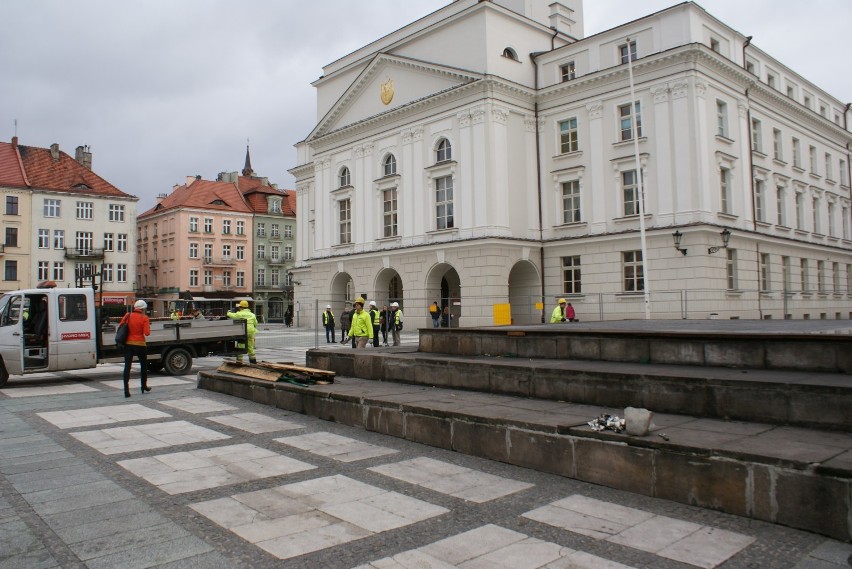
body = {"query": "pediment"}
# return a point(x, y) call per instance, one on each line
point(389, 83)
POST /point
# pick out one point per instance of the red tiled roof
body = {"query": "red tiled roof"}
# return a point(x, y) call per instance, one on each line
point(289, 204)
point(11, 169)
point(255, 193)
point(203, 194)
point(64, 174)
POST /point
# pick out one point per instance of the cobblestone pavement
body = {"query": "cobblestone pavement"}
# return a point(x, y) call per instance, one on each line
point(181, 478)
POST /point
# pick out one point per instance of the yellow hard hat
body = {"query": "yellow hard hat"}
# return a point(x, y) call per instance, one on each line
point(359, 300)
point(562, 301)
point(243, 304)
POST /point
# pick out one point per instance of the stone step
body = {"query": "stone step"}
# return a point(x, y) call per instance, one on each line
point(792, 476)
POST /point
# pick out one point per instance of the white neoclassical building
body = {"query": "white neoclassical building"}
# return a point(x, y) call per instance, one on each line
point(503, 170)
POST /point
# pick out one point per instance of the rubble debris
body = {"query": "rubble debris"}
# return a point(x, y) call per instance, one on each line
point(638, 421)
point(297, 375)
point(608, 422)
point(663, 436)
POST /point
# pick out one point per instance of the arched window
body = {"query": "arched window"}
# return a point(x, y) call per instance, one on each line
point(444, 151)
point(343, 178)
point(389, 165)
point(510, 53)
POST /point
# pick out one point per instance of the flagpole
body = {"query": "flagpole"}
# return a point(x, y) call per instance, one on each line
point(634, 127)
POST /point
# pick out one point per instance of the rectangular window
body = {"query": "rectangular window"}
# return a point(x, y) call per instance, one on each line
point(832, 226)
point(634, 272)
point(241, 252)
point(261, 251)
point(85, 210)
point(625, 117)
point(389, 212)
point(44, 238)
point(43, 270)
point(812, 151)
point(571, 202)
point(777, 145)
point(844, 173)
point(106, 272)
point(275, 206)
point(288, 253)
point(83, 242)
point(759, 200)
point(11, 272)
point(288, 231)
point(765, 284)
point(568, 141)
point(785, 273)
point(261, 230)
point(630, 192)
point(208, 225)
point(11, 205)
point(241, 227)
point(208, 277)
point(781, 206)
point(571, 275)
point(226, 278)
point(273, 252)
point(344, 221)
point(816, 217)
point(625, 49)
point(59, 239)
point(444, 202)
point(715, 45)
point(116, 212)
point(844, 215)
point(241, 279)
point(274, 278)
point(725, 189)
point(208, 252)
point(121, 243)
point(260, 280)
point(821, 276)
point(193, 250)
point(58, 270)
point(800, 211)
point(568, 71)
point(193, 277)
point(72, 307)
point(731, 268)
point(226, 252)
point(803, 272)
point(829, 171)
point(226, 227)
point(797, 153)
point(835, 277)
point(108, 242)
point(193, 224)
point(756, 136)
point(11, 237)
point(274, 231)
point(52, 208)
point(721, 118)
point(771, 80)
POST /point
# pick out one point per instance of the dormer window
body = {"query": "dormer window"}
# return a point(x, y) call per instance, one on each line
point(389, 165)
point(444, 151)
point(510, 53)
point(275, 206)
point(343, 179)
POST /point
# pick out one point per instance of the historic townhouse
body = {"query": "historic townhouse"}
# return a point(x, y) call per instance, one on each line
point(65, 223)
point(507, 171)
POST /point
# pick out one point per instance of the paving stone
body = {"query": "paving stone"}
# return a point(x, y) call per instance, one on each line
point(146, 437)
point(67, 389)
point(101, 416)
point(255, 423)
point(343, 449)
point(197, 405)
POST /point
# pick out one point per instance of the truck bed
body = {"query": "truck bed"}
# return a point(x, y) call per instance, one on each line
point(180, 333)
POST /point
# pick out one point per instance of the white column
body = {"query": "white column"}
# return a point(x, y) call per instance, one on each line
point(664, 189)
point(686, 193)
point(598, 186)
point(497, 202)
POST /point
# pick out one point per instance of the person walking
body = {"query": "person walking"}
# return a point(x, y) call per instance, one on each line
point(361, 329)
point(446, 317)
point(558, 314)
point(328, 323)
point(569, 313)
point(395, 322)
point(384, 319)
point(377, 321)
point(251, 328)
point(345, 322)
point(435, 314)
point(138, 326)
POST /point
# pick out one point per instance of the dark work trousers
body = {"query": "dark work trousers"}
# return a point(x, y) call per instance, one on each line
point(376, 335)
point(141, 353)
point(329, 331)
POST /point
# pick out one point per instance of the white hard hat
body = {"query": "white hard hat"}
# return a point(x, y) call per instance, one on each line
point(372, 303)
point(140, 304)
point(328, 306)
point(394, 305)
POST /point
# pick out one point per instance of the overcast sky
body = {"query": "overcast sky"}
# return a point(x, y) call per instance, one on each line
point(162, 89)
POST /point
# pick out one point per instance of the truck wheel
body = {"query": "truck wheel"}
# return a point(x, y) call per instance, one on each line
point(178, 362)
point(4, 375)
point(155, 366)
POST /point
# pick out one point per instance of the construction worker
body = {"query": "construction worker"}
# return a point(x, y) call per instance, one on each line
point(328, 324)
point(251, 328)
point(558, 314)
point(395, 322)
point(361, 329)
point(377, 321)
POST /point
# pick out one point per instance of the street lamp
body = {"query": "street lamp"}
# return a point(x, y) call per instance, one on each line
point(726, 236)
point(678, 236)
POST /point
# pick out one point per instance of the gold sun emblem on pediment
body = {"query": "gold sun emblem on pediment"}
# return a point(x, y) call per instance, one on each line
point(386, 91)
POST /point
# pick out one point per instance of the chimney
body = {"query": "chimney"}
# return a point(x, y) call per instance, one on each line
point(190, 180)
point(54, 151)
point(14, 142)
point(161, 197)
point(83, 157)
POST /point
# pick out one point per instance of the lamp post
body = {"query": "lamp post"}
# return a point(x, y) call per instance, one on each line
point(726, 237)
point(678, 236)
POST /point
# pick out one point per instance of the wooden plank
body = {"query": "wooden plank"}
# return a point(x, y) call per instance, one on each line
point(295, 368)
point(250, 371)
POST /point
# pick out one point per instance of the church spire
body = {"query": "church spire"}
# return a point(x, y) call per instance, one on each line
point(247, 171)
